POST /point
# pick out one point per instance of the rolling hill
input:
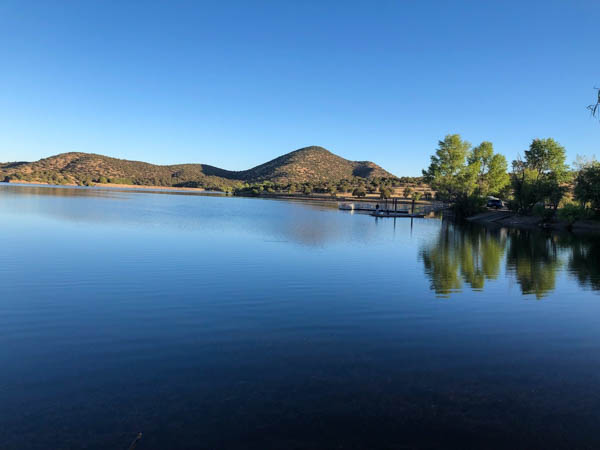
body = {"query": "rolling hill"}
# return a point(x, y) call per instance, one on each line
point(313, 165)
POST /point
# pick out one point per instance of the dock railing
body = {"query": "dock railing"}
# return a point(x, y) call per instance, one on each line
point(393, 205)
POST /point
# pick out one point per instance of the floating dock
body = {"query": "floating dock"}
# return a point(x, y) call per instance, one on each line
point(368, 208)
point(385, 213)
point(382, 208)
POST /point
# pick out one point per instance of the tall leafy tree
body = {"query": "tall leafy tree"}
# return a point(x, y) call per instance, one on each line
point(448, 173)
point(587, 186)
point(385, 192)
point(541, 177)
point(491, 169)
point(459, 173)
point(546, 156)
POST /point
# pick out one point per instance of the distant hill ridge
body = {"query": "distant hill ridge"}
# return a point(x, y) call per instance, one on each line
point(306, 165)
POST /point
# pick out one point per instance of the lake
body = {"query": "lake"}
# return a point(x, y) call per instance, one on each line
point(238, 323)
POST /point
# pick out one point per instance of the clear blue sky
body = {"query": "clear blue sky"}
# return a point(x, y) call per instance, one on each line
point(234, 84)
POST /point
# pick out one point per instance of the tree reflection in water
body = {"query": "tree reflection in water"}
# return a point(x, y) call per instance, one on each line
point(584, 260)
point(471, 254)
point(533, 258)
point(463, 253)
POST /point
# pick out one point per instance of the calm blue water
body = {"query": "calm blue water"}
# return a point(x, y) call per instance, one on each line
point(214, 322)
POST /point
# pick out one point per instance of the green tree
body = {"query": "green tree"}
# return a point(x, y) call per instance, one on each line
point(546, 156)
point(587, 186)
point(407, 191)
point(553, 190)
point(525, 187)
point(385, 192)
point(359, 192)
point(464, 176)
point(490, 168)
point(541, 177)
point(447, 173)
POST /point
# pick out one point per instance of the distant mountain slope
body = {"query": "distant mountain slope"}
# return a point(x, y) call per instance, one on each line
point(306, 165)
point(312, 164)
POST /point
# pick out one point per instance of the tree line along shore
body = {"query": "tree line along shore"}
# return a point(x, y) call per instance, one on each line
point(407, 188)
point(540, 183)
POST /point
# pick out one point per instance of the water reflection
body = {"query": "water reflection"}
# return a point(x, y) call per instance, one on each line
point(95, 191)
point(453, 256)
point(273, 324)
point(313, 224)
point(473, 254)
point(584, 260)
point(533, 259)
point(463, 254)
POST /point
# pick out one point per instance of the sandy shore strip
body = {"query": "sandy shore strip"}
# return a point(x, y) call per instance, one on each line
point(112, 185)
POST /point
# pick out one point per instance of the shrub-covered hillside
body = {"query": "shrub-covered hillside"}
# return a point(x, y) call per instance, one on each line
point(314, 165)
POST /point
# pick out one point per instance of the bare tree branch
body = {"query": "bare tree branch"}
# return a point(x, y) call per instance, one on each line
point(595, 108)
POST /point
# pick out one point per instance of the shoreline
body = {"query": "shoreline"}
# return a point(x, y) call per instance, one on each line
point(312, 197)
point(154, 188)
point(510, 219)
point(110, 185)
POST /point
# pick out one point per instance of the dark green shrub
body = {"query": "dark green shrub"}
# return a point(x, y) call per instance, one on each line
point(541, 211)
point(466, 206)
point(359, 192)
point(572, 212)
